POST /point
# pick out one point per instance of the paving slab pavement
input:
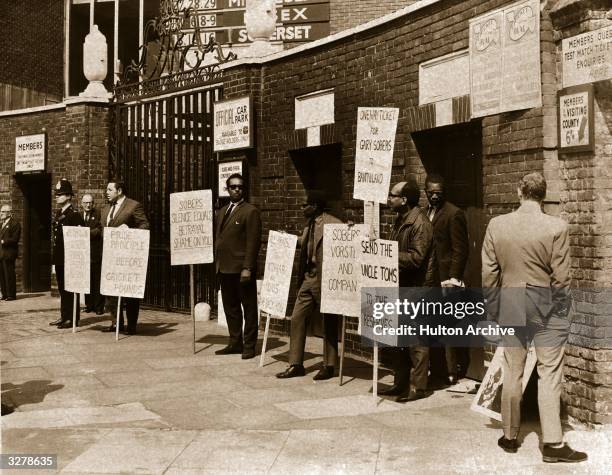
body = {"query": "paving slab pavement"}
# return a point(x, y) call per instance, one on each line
point(147, 404)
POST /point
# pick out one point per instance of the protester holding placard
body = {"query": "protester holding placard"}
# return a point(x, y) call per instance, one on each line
point(417, 268)
point(308, 300)
point(94, 302)
point(238, 239)
point(65, 216)
point(122, 211)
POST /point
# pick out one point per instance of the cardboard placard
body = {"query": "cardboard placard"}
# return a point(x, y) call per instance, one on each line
point(277, 273)
point(379, 283)
point(125, 256)
point(340, 274)
point(376, 127)
point(77, 259)
point(191, 228)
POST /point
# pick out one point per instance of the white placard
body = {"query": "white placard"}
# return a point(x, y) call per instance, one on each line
point(587, 57)
point(125, 255)
point(191, 227)
point(277, 273)
point(488, 398)
point(77, 259)
point(30, 153)
point(505, 59)
point(374, 146)
point(379, 283)
point(340, 273)
point(233, 124)
point(226, 169)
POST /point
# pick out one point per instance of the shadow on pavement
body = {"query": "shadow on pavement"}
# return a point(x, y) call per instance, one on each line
point(30, 392)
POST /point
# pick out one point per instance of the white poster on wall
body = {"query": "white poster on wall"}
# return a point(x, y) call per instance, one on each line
point(226, 169)
point(505, 59)
point(233, 124)
point(587, 57)
point(30, 153)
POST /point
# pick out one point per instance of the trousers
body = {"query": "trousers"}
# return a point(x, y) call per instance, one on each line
point(308, 301)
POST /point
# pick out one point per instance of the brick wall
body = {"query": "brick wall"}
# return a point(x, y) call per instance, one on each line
point(347, 14)
point(77, 149)
point(379, 67)
point(586, 194)
point(32, 35)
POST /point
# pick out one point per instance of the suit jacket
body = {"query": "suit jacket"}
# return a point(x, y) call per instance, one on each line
point(526, 253)
point(238, 241)
point(9, 236)
point(451, 241)
point(95, 234)
point(130, 213)
point(417, 256)
point(322, 220)
point(68, 217)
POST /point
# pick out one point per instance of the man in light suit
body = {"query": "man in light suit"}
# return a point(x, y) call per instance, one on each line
point(122, 211)
point(10, 232)
point(308, 299)
point(238, 239)
point(452, 250)
point(525, 272)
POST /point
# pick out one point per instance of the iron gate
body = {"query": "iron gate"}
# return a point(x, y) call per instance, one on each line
point(161, 141)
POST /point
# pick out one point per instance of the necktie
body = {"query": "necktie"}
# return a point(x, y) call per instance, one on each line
point(86, 216)
point(311, 242)
point(227, 214)
point(432, 212)
point(112, 213)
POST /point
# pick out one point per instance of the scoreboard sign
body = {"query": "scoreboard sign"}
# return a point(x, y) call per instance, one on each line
point(297, 20)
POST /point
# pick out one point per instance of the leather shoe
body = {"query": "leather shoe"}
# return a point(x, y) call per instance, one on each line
point(129, 331)
point(327, 372)
point(55, 322)
point(562, 454)
point(292, 371)
point(394, 390)
point(229, 350)
point(10, 298)
point(248, 354)
point(112, 328)
point(453, 379)
point(414, 395)
point(88, 310)
point(67, 324)
point(509, 445)
point(100, 312)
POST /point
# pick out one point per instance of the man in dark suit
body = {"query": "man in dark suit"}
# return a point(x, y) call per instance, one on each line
point(66, 215)
point(452, 249)
point(94, 302)
point(122, 211)
point(308, 299)
point(417, 268)
point(10, 232)
point(238, 238)
point(526, 253)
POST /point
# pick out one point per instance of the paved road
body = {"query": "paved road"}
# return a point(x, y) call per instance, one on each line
point(147, 404)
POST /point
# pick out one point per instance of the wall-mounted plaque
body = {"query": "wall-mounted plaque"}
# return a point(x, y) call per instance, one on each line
point(576, 127)
point(30, 153)
point(233, 119)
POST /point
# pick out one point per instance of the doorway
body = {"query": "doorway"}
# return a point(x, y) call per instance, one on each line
point(455, 152)
point(320, 168)
point(36, 191)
